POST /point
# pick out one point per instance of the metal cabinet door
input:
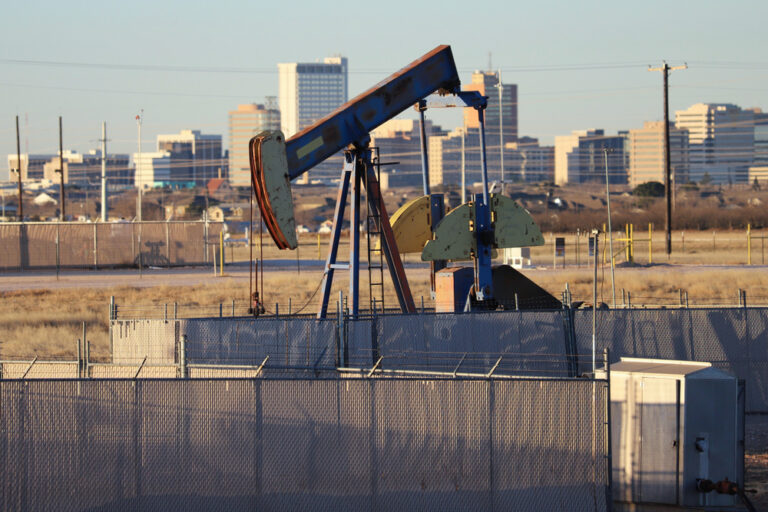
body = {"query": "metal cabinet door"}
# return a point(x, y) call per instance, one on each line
point(659, 442)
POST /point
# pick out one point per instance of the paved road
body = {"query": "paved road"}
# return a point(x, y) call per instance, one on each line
point(184, 276)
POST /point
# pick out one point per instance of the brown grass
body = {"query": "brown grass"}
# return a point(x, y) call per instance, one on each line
point(47, 323)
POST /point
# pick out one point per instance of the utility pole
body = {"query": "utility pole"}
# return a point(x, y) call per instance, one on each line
point(665, 70)
point(104, 171)
point(139, 165)
point(501, 129)
point(20, 209)
point(60, 170)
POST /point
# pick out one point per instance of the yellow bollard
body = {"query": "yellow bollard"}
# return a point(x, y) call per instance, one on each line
point(749, 244)
point(631, 242)
point(650, 243)
point(627, 255)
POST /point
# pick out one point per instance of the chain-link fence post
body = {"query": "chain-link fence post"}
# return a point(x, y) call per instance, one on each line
point(183, 370)
point(111, 318)
point(95, 249)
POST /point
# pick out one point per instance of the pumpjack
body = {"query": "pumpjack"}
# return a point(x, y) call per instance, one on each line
point(471, 231)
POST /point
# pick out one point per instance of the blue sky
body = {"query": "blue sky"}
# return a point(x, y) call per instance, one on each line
point(577, 64)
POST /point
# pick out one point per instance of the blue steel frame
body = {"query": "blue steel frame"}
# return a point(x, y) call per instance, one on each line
point(356, 162)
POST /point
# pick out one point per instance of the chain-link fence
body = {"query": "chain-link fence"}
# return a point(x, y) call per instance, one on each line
point(734, 340)
point(341, 444)
point(35, 246)
point(544, 343)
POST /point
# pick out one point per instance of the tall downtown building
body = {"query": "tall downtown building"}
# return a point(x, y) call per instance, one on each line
point(721, 141)
point(500, 118)
point(245, 122)
point(309, 91)
point(645, 147)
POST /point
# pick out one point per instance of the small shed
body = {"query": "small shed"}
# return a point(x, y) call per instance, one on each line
point(674, 423)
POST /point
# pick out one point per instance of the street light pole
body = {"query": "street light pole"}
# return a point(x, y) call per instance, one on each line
point(139, 168)
point(501, 129)
point(610, 229)
point(20, 209)
point(61, 173)
point(104, 171)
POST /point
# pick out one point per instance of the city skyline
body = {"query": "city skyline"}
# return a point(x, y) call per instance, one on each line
point(576, 67)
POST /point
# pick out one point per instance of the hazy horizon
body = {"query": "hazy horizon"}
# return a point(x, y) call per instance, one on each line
point(186, 65)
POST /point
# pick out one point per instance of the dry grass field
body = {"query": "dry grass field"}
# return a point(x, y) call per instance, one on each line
point(47, 322)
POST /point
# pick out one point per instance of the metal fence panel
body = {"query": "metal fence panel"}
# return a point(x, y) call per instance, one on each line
point(336, 444)
point(732, 339)
point(537, 468)
point(10, 246)
point(77, 246)
point(431, 445)
point(115, 244)
point(289, 342)
point(528, 343)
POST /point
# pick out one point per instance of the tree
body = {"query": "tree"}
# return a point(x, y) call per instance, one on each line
point(706, 179)
point(649, 189)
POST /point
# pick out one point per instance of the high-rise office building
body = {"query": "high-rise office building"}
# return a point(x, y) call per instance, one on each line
point(245, 122)
point(497, 120)
point(721, 141)
point(310, 91)
point(487, 84)
point(196, 157)
point(580, 157)
point(645, 149)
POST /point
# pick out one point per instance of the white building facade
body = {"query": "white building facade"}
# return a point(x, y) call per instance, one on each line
point(153, 169)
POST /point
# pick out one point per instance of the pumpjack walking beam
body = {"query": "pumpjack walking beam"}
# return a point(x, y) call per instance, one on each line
point(275, 161)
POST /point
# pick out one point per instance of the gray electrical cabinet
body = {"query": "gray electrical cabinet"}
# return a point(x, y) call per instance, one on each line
point(673, 422)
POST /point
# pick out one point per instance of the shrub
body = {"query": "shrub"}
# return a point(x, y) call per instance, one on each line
point(649, 189)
